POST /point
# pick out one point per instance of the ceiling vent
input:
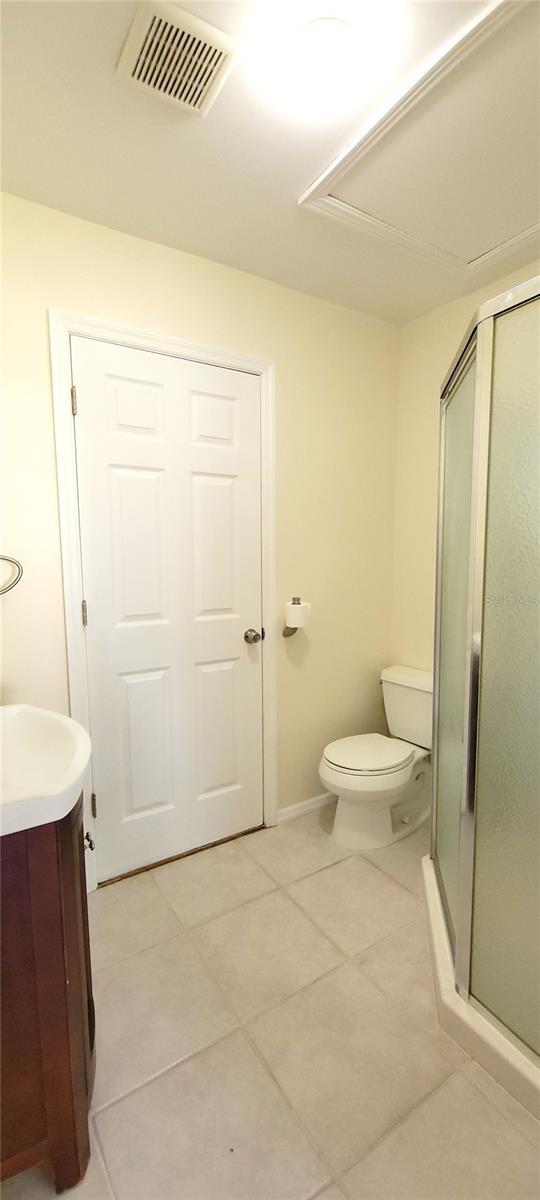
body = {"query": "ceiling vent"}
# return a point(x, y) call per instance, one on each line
point(177, 56)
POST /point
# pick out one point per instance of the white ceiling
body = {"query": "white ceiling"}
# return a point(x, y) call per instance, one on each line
point(455, 175)
point(78, 137)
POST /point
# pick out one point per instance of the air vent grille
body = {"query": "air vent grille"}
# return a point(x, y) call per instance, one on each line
point(182, 59)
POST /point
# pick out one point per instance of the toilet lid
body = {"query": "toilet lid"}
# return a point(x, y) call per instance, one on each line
point(369, 752)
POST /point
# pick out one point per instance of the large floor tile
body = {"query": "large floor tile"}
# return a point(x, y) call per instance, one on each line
point(204, 885)
point(403, 860)
point(346, 1061)
point(264, 951)
point(454, 1146)
point(152, 1010)
point(212, 1128)
point(297, 848)
point(355, 904)
point(37, 1184)
point(127, 917)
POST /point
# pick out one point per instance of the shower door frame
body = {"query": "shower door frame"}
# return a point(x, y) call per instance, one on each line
point(478, 341)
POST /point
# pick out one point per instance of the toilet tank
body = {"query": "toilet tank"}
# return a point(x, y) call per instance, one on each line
point(408, 702)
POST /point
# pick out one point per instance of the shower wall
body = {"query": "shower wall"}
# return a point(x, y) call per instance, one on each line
point(486, 833)
point(505, 962)
point(426, 348)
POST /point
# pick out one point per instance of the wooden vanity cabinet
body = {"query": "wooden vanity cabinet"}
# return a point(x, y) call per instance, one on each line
point(48, 1026)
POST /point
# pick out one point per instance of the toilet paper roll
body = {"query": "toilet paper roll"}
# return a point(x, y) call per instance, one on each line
point(297, 615)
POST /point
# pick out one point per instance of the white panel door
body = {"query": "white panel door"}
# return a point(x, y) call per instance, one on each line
point(168, 461)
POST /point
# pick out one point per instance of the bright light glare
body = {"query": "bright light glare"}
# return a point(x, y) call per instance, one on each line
point(319, 61)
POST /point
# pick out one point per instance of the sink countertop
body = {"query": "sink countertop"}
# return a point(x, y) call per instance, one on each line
point(43, 759)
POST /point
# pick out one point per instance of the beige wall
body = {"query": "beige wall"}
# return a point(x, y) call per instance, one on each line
point(336, 390)
point(357, 428)
point(427, 347)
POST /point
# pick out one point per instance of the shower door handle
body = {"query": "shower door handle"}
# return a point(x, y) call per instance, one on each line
point(472, 723)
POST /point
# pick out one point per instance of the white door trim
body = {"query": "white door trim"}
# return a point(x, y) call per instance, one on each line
point(61, 326)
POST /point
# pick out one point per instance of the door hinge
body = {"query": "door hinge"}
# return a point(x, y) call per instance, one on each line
point(74, 400)
point(84, 607)
point(94, 805)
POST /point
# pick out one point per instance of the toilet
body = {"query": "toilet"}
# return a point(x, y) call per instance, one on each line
point(383, 784)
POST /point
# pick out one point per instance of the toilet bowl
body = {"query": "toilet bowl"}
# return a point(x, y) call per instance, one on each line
point(383, 784)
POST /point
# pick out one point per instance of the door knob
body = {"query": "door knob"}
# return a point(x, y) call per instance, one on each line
point(251, 636)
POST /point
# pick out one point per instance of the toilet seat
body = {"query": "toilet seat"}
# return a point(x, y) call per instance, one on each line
point(368, 754)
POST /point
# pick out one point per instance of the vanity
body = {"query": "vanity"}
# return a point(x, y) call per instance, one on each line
point(48, 1025)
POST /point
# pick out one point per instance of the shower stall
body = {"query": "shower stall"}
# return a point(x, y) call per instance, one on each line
point(482, 878)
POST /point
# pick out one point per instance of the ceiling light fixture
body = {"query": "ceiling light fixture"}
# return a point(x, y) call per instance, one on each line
point(319, 61)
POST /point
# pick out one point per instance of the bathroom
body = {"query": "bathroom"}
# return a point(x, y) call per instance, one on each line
point(294, 1011)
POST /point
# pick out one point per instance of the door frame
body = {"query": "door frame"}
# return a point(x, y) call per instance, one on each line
point(62, 325)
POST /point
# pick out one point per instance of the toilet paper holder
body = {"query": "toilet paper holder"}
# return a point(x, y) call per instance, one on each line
point(290, 630)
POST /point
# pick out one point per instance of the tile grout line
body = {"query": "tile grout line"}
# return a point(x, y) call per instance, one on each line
point(289, 1104)
point(277, 887)
point(101, 1156)
point(243, 1028)
point(265, 1012)
point(251, 857)
point(179, 1062)
point(344, 852)
point(388, 875)
point(386, 937)
point(346, 958)
point(347, 854)
point(318, 927)
point(240, 1026)
point(350, 955)
point(401, 1120)
point(244, 1022)
point(196, 1054)
point(227, 911)
point(318, 870)
point(506, 1116)
point(145, 950)
point(423, 1036)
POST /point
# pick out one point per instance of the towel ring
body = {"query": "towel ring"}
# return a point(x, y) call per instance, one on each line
point(18, 569)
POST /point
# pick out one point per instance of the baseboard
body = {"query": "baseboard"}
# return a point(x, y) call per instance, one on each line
point(500, 1056)
point(305, 806)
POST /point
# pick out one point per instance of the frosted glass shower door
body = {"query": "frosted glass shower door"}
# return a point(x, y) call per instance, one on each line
point(505, 946)
point(454, 551)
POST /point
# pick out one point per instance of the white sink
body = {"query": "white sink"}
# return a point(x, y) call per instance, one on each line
point(43, 758)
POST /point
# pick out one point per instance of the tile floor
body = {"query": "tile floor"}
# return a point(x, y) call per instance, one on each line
point(267, 1031)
